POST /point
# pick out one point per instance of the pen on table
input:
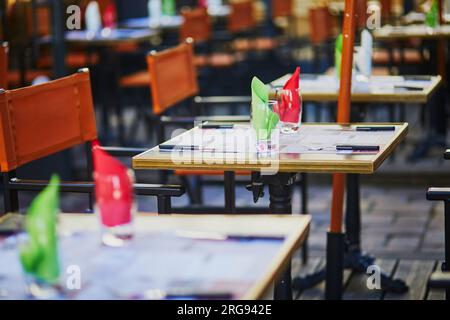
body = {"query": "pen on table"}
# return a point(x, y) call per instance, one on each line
point(170, 147)
point(357, 148)
point(216, 126)
point(409, 88)
point(375, 128)
point(217, 236)
point(417, 78)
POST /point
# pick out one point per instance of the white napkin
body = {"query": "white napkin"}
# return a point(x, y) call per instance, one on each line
point(363, 58)
point(154, 11)
point(93, 17)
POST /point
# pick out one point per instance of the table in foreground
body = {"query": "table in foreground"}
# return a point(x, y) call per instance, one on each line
point(240, 256)
point(307, 151)
point(376, 89)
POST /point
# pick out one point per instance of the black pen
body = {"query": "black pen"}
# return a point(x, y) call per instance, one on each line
point(409, 88)
point(216, 126)
point(375, 128)
point(417, 78)
point(357, 148)
point(170, 147)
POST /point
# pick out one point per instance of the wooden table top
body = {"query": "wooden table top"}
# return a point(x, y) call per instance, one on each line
point(379, 89)
point(389, 32)
point(184, 228)
point(286, 161)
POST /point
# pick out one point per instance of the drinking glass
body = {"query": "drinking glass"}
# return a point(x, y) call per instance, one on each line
point(115, 207)
point(289, 108)
point(264, 122)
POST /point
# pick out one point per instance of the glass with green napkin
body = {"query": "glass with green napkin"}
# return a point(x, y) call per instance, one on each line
point(432, 16)
point(264, 119)
point(338, 55)
point(39, 253)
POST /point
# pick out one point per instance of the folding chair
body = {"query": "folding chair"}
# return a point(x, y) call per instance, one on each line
point(41, 120)
point(321, 35)
point(441, 278)
point(282, 8)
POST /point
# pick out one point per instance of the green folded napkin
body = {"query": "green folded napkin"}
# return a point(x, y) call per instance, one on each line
point(432, 16)
point(264, 120)
point(338, 55)
point(168, 7)
point(39, 255)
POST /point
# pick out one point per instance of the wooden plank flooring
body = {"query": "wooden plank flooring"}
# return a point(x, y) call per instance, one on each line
point(414, 272)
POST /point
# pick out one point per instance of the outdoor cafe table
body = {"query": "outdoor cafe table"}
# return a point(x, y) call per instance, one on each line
point(376, 89)
point(298, 153)
point(239, 255)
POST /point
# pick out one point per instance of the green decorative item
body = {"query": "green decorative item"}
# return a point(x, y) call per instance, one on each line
point(39, 255)
point(168, 7)
point(338, 55)
point(432, 16)
point(264, 120)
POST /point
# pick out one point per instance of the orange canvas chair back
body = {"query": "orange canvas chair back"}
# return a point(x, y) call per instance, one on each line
point(43, 20)
point(320, 24)
point(241, 16)
point(174, 77)
point(3, 65)
point(386, 9)
point(196, 25)
point(40, 120)
point(281, 8)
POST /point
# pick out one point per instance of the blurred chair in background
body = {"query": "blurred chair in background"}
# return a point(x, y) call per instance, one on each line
point(65, 119)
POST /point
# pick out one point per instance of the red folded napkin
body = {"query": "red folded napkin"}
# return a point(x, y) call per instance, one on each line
point(113, 188)
point(289, 105)
point(110, 16)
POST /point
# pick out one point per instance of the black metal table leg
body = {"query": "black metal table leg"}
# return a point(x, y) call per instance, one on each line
point(335, 266)
point(230, 192)
point(280, 189)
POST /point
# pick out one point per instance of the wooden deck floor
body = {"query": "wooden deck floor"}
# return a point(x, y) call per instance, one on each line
point(414, 272)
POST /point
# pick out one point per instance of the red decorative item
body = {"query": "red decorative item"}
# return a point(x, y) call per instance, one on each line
point(290, 102)
point(203, 3)
point(113, 189)
point(110, 16)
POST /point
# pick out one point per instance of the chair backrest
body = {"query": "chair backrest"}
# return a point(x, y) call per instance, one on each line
point(386, 9)
point(241, 16)
point(320, 25)
point(281, 8)
point(40, 120)
point(4, 65)
point(173, 76)
point(361, 13)
point(43, 20)
point(196, 25)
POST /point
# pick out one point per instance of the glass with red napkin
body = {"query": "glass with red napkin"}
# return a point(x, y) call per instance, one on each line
point(114, 197)
point(289, 104)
